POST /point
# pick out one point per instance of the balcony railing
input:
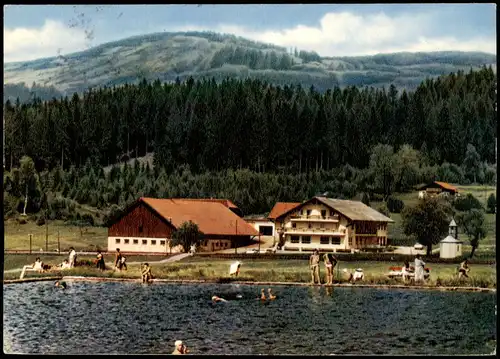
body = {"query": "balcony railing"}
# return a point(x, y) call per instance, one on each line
point(315, 217)
point(325, 231)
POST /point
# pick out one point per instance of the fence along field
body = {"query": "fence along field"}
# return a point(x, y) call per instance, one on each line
point(87, 238)
point(53, 235)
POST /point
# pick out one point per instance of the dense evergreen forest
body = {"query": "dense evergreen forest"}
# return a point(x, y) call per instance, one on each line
point(247, 141)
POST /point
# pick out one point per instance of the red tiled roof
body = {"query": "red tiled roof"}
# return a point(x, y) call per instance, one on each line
point(446, 186)
point(225, 202)
point(280, 208)
point(212, 217)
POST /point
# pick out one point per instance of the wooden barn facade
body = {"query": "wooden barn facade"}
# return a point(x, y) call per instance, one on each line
point(148, 224)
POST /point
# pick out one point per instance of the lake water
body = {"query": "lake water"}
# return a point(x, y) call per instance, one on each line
point(126, 318)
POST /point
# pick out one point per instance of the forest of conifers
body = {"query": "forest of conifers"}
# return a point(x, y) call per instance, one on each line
point(252, 142)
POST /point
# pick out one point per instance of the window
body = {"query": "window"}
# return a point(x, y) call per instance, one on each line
point(294, 225)
point(324, 240)
point(309, 225)
point(306, 239)
point(332, 213)
point(321, 225)
point(136, 241)
point(350, 241)
point(153, 242)
point(144, 241)
point(162, 243)
point(140, 228)
point(458, 247)
point(302, 212)
point(323, 213)
point(117, 240)
point(126, 241)
point(336, 240)
point(294, 239)
point(308, 212)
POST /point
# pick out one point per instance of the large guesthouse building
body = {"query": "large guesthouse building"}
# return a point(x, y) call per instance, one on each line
point(148, 224)
point(330, 225)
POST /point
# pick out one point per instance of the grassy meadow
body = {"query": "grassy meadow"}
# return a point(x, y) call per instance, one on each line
point(281, 271)
point(487, 245)
point(16, 236)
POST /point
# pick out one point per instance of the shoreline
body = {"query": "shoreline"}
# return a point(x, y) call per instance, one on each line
point(214, 281)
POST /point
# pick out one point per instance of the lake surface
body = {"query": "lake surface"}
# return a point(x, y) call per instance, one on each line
point(126, 318)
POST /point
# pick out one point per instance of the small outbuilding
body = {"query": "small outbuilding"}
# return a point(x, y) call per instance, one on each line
point(437, 188)
point(451, 246)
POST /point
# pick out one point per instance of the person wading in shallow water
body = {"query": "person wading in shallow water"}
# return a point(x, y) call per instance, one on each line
point(180, 348)
point(61, 285)
point(314, 265)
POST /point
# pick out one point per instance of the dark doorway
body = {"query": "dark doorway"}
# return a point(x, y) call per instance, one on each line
point(266, 230)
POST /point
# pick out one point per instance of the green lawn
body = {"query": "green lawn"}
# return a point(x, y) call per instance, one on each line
point(286, 271)
point(13, 261)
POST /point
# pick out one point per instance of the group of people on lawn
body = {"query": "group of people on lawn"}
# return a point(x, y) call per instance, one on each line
point(119, 264)
point(330, 262)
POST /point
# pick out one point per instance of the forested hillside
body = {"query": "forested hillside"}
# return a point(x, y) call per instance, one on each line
point(247, 141)
point(168, 56)
point(251, 124)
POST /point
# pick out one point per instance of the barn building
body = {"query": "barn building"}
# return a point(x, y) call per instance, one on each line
point(437, 188)
point(147, 225)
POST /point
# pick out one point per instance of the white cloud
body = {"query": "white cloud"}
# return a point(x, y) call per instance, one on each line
point(348, 34)
point(52, 39)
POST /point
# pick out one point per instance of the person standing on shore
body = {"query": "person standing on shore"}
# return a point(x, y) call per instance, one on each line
point(100, 261)
point(419, 269)
point(118, 259)
point(330, 263)
point(406, 271)
point(314, 265)
point(72, 257)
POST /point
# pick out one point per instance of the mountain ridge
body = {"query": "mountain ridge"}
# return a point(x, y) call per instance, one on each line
point(178, 55)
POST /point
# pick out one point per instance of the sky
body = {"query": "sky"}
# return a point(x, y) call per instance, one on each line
point(38, 31)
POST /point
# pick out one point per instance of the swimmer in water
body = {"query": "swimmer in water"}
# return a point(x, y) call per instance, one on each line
point(239, 296)
point(61, 285)
point(270, 292)
point(216, 299)
point(262, 294)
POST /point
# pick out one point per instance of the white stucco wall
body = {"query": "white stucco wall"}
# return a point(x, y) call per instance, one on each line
point(139, 246)
point(450, 250)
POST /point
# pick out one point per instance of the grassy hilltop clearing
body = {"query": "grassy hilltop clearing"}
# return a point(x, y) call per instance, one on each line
point(167, 56)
